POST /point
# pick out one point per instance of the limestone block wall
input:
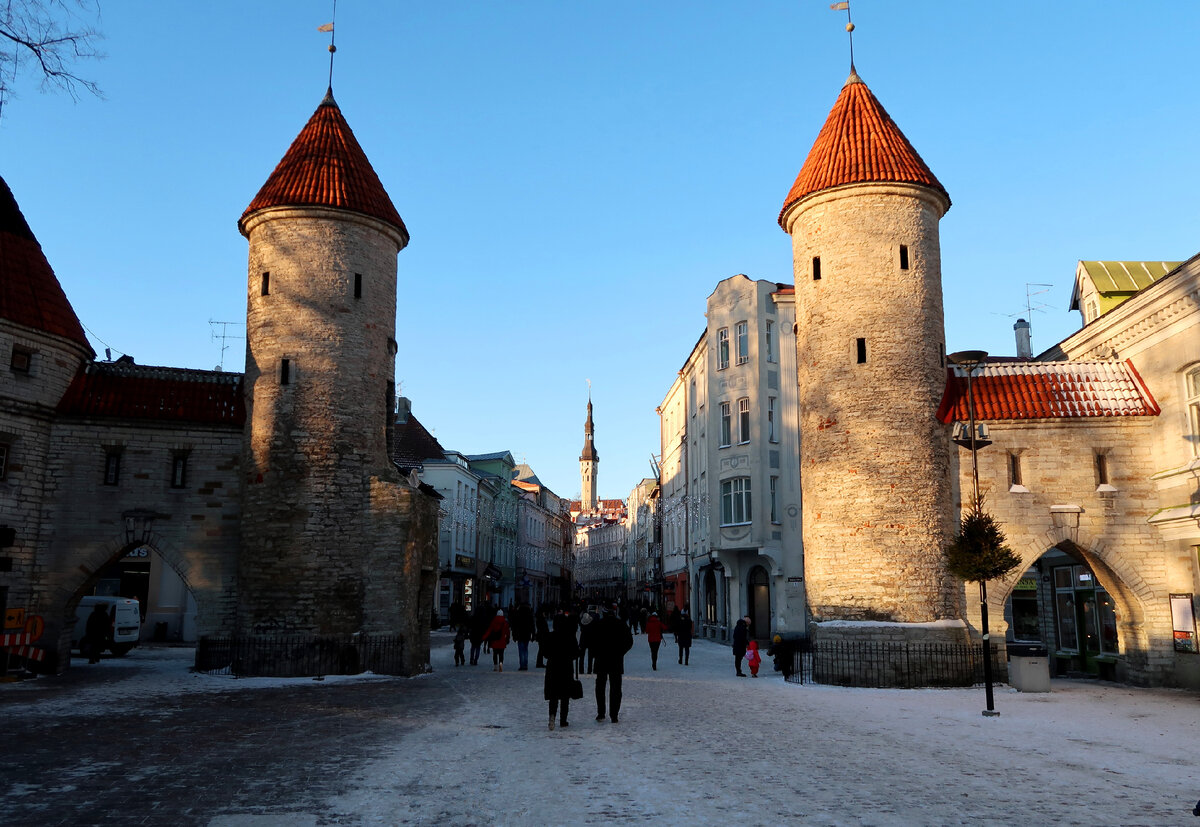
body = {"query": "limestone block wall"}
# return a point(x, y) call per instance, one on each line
point(315, 444)
point(84, 524)
point(1061, 504)
point(875, 472)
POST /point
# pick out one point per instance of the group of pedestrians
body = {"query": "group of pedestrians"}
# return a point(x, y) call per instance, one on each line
point(606, 639)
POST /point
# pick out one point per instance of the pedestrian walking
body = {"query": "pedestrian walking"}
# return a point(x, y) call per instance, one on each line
point(96, 633)
point(753, 658)
point(479, 627)
point(612, 640)
point(784, 653)
point(522, 632)
point(542, 633)
point(497, 636)
point(559, 651)
point(586, 646)
point(683, 637)
point(654, 636)
point(741, 636)
point(460, 642)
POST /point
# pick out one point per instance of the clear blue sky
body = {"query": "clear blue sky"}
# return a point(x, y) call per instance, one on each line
point(577, 177)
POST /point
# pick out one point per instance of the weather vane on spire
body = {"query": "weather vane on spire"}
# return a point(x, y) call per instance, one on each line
point(328, 27)
point(845, 6)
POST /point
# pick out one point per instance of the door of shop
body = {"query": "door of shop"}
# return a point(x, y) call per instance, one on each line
point(1086, 622)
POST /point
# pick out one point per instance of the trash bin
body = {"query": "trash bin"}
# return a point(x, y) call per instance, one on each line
point(1028, 667)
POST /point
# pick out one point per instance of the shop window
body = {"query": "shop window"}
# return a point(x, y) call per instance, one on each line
point(743, 421)
point(742, 331)
point(726, 425)
point(735, 501)
point(723, 348)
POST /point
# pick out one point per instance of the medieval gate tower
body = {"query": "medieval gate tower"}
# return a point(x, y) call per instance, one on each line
point(875, 466)
point(326, 517)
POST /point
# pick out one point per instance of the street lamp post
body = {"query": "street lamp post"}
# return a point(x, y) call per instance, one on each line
point(972, 359)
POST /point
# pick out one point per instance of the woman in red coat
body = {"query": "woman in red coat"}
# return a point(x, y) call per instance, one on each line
point(654, 633)
point(497, 637)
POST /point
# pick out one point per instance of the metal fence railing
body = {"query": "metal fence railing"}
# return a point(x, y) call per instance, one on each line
point(893, 664)
point(294, 656)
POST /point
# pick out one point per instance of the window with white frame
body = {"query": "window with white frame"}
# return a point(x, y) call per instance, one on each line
point(1193, 409)
point(735, 501)
point(771, 437)
point(743, 420)
point(770, 341)
point(775, 500)
point(723, 348)
point(726, 425)
point(743, 342)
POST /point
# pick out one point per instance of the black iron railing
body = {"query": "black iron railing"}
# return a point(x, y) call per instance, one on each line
point(893, 664)
point(293, 656)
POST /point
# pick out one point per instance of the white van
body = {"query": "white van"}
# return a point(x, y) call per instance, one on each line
point(126, 616)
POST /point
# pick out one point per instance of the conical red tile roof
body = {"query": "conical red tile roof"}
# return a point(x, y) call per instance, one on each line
point(859, 143)
point(30, 294)
point(325, 167)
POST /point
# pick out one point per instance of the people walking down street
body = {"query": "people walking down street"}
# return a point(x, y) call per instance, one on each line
point(753, 658)
point(542, 633)
point(460, 640)
point(479, 626)
point(654, 636)
point(612, 640)
point(741, 636)
point(784, 653)
point(497, 636)
point(522, 632)
point(683, 637)
point(560, 652)
point(96, 633)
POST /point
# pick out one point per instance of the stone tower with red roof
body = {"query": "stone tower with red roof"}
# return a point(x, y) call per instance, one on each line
point(327, 521)
point(875, 467)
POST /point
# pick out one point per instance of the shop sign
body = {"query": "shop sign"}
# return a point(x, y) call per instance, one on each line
point(1183, 620)
point(1026, 584)
point(464, 562)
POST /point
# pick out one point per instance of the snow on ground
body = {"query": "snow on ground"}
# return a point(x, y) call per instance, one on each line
point(698, 746)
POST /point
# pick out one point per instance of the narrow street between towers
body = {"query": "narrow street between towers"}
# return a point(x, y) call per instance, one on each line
point(141, 740)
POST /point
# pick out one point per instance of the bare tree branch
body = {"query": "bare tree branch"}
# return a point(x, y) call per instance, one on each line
point(47, 38)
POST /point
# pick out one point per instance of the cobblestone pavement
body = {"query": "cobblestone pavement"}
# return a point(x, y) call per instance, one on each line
point(139, 740)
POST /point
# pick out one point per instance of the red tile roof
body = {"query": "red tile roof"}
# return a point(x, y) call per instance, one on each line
point(326, 167)
point(1047, 390)
point(859, 143)
point(30, 294)
point(128, 391)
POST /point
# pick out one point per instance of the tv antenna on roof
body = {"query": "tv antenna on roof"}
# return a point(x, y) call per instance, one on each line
point(224, 336)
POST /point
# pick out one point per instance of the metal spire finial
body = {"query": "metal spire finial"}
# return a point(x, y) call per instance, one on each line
point(328, 27)
point(845, 6)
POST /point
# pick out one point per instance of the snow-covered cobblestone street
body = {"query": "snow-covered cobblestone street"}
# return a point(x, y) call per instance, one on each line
point(142, 741)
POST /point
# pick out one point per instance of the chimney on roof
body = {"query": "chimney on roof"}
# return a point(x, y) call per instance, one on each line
point(403, 410)
point(1024, 343)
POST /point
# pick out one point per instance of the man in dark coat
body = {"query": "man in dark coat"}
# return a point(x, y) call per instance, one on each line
point(96, 633)
point(611, 639)
point(559, 651)
point(543, 634)
point(683, 637)
point(521, 622)
point(741, 636)
point(479, 626)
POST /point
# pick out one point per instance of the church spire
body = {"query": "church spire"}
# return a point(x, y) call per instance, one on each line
point(589, 463)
